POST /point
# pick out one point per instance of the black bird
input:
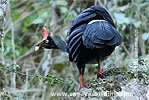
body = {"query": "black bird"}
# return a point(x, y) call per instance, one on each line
point(91, 38)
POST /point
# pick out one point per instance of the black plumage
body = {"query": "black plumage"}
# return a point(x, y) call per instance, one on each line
point(88, 41)
point(91, 38)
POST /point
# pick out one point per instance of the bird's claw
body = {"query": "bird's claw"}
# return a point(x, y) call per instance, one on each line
point(99, 74)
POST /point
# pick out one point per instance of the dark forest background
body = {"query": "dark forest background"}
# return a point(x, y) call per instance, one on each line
point(29, 75)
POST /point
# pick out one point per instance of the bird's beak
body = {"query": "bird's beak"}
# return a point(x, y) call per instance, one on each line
point(37, 48)
point(39, 45)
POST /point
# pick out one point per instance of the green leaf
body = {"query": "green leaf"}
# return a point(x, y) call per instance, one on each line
point(137, 24)
point(27, 21)
point(24, 29)
point(17, 53)
point(17, 66)
point(44, 15)
point(145, 36)
point(25, 49)
point(123, 8)
point(40, 18)
point(121, 19)
point(1, 65)
point(15, 15)
point(64, 9)
point(38, 21)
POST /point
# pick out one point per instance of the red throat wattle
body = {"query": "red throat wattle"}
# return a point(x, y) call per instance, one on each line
point(45, 33)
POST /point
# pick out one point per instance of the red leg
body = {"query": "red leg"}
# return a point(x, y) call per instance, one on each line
point(99, 73)
point(81, 83)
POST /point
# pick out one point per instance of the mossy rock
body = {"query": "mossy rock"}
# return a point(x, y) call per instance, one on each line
point(123, 83)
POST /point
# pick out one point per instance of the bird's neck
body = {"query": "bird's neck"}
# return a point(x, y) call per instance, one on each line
point(60, 44)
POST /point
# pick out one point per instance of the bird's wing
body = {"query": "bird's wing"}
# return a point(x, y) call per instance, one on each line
point(100, 33)
point(74, 36)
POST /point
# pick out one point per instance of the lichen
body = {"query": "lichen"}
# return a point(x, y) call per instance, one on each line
point(120, 83)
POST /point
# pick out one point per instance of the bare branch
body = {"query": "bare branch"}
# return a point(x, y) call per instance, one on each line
point(2, 10)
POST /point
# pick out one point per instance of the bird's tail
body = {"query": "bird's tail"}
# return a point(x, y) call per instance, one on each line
point(99, 34)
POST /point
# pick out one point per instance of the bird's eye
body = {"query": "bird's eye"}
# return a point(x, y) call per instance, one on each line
point(46, 41)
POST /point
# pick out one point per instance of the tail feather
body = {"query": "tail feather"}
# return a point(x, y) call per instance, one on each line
point(100, 34)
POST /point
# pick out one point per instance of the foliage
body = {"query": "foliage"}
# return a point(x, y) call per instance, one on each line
point(26, 74)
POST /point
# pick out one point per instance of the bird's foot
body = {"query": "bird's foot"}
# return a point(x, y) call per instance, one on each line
point(99, 74)
point(81, 86)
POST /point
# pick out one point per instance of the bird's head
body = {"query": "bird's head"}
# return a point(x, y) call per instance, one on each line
point(47, 42)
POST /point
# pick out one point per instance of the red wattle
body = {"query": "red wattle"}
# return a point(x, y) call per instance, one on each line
point(45, 33)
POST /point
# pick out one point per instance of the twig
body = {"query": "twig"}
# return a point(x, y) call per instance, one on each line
point(3, 58)
point(20, 3)
point(23, 91)
point(2, 10)
point(95, 2)
point(142, 45)
point(136, 49)
point(28, 53)
point(136, 45)
point(126, 50)
point(100, 3)
point(26, 82)
point(71, 8)
point(13, 76)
